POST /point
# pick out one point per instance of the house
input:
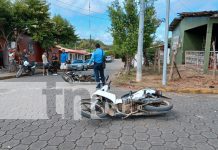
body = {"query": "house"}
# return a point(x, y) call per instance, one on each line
point(24, 42)
point(72, 53)
point(32, 47)
point(192, 35)
point(2, 52)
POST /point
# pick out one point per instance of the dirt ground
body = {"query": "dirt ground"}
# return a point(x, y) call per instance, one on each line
point(190, 79)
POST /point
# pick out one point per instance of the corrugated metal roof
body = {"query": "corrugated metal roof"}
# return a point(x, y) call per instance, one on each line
point(82, 52)
point(176, 21)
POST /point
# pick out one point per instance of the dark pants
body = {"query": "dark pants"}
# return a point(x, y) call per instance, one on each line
point(99, 71)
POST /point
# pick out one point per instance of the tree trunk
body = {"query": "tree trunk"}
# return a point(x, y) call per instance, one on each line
point(5, 54)
point(128, 65)
point(146, 62)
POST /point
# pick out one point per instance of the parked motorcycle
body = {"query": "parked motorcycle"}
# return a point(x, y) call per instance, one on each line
point(52, 68)
point(143, 102)
point(26, 67)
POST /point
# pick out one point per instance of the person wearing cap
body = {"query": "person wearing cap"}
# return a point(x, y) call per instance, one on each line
point(98, 57)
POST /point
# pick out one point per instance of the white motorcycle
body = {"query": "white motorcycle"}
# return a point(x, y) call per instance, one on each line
point(104, 104)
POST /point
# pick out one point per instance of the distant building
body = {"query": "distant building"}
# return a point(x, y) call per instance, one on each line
point(25, 42)
point(72, 53)
point(192, 35)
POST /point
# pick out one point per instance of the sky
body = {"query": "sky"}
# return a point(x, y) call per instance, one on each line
point(96, 22)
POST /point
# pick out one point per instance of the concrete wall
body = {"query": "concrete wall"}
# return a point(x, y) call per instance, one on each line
point(189, 41)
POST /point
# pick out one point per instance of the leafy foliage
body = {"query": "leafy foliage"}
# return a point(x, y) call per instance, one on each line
point(124, 28)
point(87, 44)
point(32, 17)
point(6, 15)
point(64, 32)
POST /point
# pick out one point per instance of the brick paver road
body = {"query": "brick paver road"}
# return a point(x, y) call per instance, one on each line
point(192, 124)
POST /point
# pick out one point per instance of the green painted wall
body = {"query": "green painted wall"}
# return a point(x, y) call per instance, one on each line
point(189, 41)
point(193, 41)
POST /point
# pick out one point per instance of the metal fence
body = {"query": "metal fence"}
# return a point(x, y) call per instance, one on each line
point(195, 59)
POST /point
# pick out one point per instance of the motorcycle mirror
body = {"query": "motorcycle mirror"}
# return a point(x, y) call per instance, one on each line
point(109, 85)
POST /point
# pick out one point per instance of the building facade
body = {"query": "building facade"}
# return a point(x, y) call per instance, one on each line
point(194, 31)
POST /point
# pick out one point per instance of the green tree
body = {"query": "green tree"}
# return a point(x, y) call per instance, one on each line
point(124, 28)
point(32, 17)
point(6, 15)
point(87, 44)
point(64, 32)
point(151, 25)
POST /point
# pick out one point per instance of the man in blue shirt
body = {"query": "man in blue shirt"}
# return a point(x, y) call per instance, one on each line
point(98, 57)
point(63, 59)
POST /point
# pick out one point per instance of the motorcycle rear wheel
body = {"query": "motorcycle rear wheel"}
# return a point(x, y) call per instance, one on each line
point(88, 113)
point(162, 106)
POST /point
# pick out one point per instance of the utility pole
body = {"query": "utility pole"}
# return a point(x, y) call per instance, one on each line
point(164, 80)
point(90, 36)
point(140, 41)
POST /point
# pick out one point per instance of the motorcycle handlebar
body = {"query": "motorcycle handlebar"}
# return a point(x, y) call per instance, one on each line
point(109, 84)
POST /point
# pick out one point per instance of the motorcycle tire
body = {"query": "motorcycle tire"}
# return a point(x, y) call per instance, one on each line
point(163, 106)
point(99, 111)
point(67, 78)
point(19, 72)
point(33, 71)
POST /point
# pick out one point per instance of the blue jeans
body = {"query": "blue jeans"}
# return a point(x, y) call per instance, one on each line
point(99, 72)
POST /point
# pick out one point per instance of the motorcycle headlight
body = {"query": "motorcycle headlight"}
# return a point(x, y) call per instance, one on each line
point(26, 63)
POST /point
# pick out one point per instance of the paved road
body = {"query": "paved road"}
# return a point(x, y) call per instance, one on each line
point(192, 124)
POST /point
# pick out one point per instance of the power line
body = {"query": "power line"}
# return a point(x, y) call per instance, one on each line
point(100, 18)
point(71, 5)
point(87, 18)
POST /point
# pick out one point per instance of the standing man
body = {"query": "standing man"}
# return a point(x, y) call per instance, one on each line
point(45, 63)
point(63, 59)
point(25, 55)
point(98, 56)
point(12, 63)
point(54, 59)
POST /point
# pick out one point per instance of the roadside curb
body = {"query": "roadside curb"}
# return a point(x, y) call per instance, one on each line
point(13, 76)
point(190, 90)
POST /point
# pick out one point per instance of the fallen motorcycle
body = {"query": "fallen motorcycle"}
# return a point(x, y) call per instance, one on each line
point(143, 102)
point(71, 76)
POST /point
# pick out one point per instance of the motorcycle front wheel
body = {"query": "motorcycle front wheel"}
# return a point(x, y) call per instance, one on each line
point(67, 78)
point(162, 106)
point(96, 113)
point(19, 72)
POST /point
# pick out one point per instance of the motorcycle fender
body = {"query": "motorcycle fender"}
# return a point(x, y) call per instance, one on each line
point(119, 101)
point(105, 94)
